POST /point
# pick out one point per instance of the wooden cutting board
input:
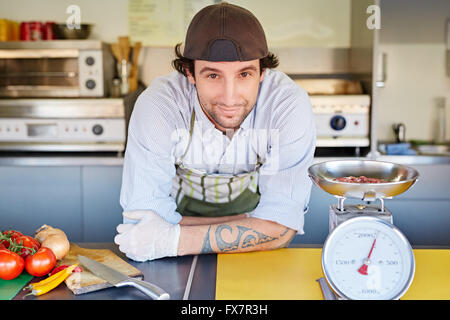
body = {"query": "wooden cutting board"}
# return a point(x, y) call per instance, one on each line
point(84, 282)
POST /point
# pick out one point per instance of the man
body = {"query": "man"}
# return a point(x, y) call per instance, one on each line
point(217, 153)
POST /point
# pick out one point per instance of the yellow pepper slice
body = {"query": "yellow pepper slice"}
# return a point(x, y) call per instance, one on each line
point(51, 282)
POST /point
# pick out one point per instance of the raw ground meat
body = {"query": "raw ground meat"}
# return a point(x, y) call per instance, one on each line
point(360, 179)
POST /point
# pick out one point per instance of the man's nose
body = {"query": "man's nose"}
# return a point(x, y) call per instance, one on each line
point(230, 96)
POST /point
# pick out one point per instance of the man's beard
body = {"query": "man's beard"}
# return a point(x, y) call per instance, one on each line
point(228, 122)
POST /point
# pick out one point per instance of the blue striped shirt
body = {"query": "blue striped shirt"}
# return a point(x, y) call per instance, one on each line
point(282, 120)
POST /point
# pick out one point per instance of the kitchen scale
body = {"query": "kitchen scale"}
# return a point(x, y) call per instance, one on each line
point(365, 257)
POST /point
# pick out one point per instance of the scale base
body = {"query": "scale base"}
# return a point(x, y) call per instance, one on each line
point(357, 210)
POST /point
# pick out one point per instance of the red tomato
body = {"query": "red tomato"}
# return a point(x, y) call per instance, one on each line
point(12, 233)
point(11, 264)
point(40, 263)
point(29, 244)
point(9, 234)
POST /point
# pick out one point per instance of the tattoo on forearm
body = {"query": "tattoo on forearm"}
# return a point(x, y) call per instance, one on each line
point(249, 237)
point(207, 244)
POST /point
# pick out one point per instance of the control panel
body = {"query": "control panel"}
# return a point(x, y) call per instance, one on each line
point(94, 130)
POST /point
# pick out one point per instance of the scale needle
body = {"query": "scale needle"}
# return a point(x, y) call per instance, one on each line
point(363, 268)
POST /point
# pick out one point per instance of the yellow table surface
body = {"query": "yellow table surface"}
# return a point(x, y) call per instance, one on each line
point(290, 274)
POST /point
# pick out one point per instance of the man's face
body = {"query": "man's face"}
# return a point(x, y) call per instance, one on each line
point(227, 91)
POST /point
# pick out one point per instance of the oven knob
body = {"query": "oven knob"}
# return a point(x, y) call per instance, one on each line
point(97, 129)
point(90, 61)
point(338, 122)
point(90, 84)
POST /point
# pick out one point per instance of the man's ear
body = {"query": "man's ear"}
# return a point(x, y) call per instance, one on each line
point(263, 73)
point(190, 76)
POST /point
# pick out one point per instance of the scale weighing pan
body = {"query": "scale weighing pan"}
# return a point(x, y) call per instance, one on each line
point(399, 178)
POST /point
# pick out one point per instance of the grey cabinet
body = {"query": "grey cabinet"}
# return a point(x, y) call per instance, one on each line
point(101, 208)
point(32, 196)
point(83, 200)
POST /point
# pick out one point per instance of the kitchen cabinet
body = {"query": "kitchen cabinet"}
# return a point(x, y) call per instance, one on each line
point(32, 196)
point(100, 206)
point(82, 198)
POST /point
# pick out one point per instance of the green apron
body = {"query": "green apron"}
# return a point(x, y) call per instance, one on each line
point(212, 195)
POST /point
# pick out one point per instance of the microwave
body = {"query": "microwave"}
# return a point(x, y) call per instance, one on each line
point(55, 68)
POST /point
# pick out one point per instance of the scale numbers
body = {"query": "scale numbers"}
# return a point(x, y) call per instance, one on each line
point(368, 258)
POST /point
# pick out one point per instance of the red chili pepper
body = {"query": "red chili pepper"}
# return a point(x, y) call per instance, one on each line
point(62, 267)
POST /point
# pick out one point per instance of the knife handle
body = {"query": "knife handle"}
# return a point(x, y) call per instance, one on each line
point(149, 289)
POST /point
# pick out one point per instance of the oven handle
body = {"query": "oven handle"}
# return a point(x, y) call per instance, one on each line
point(38, 53)
point(67, 74)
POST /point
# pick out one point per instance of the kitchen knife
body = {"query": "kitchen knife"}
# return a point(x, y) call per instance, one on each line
point(118, 279)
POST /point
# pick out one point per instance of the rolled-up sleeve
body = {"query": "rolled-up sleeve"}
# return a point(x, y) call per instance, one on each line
point(149, 168)
point(284, 184)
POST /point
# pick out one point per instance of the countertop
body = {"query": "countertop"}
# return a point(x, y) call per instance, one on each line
point(116, 159)
point(170, 273)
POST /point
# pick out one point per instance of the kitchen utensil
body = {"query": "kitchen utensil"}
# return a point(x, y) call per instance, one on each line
point(440, 120)
point(116, 51)
point(328, 294)
point(355, 231)
point(86, 281)
point(400, 132)
point(124, 45)
point(119, 279)
point(133, 79)
point(123, 64)
point(123, 68)
point(400, 178)
point(437, 149)
point(367, 258)
point(63, 32)
point(10, 288)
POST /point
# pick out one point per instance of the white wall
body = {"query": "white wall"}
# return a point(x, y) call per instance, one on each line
point(320, 23)
point(108, 16)
point(413, 37)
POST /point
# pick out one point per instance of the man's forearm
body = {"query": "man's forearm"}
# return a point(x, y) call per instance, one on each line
point(243, 235)
point(195, 221)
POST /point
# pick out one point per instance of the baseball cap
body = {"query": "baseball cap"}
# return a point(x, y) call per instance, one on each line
point(225, 32)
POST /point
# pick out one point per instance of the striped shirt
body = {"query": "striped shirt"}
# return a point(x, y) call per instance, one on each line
point(280, 129)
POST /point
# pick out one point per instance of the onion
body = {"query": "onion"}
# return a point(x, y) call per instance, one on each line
point(53, 238)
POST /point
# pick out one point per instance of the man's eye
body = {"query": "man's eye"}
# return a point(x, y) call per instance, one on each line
point(244, 74)
point(212, 76)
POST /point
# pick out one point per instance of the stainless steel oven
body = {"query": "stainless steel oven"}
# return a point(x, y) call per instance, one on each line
point(341, 112)
point(67, 125)
point(57, 68)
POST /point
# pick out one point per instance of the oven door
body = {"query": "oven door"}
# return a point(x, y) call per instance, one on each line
point(39, 73)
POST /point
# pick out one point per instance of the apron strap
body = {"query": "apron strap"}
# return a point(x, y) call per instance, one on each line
point(191, 130)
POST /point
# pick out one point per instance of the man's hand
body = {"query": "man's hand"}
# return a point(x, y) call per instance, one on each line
point(150, 238)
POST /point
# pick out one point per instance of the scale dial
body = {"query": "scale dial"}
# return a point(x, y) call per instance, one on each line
point(366, 258)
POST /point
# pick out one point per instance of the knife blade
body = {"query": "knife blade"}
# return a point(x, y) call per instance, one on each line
point(119, 279)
